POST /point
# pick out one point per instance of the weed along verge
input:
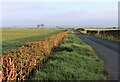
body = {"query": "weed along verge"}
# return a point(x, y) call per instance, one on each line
point(18, 63)
point(72, 60)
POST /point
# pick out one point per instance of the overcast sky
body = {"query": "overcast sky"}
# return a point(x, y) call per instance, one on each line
point(60, 13)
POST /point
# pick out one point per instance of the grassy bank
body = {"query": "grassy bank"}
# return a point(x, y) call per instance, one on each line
point(15, 43)
point(109, 39)
point(72, 60)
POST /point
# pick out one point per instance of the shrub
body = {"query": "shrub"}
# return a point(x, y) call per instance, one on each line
point(18, 63)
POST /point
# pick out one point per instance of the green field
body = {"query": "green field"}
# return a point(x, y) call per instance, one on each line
point(12, 34)
point(72, 60)
point(13, 38)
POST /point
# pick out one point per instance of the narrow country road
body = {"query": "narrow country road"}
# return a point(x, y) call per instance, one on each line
point(107, 51)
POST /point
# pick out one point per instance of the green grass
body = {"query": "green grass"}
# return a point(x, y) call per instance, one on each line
point(109, 39)
point(72, 60)
point(18, 39)
point(12, 34)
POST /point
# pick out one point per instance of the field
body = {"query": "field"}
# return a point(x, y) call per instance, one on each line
point(13, 38)
point(12, 34)
point(48, 54)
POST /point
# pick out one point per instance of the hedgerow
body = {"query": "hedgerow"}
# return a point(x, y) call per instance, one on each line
point(19, 63)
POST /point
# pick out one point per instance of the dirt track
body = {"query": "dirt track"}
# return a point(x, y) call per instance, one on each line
point(107, 51)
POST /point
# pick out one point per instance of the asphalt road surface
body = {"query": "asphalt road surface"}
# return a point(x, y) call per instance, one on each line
point(107, 51)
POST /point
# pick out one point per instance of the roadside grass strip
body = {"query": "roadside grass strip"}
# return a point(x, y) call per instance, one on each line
point(72, 60)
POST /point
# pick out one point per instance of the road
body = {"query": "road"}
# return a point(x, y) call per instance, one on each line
point(107, 51)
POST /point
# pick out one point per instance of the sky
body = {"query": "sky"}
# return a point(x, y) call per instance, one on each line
point(59, 1)
point(70, 14)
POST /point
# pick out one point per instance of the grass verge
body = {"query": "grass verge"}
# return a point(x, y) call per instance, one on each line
point(72, 60)
point(109, 39)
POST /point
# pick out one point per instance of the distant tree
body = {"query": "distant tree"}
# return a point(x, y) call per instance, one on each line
point(114, 27)
point(57, 26)
point(38, 26)
point(42, 25)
